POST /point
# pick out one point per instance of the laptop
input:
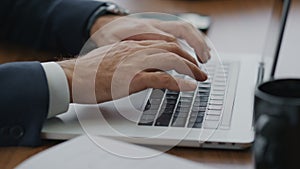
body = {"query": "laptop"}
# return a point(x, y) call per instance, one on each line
point(218, 114)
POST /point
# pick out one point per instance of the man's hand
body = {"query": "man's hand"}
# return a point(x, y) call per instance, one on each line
point(111, 29)
point(114, 71)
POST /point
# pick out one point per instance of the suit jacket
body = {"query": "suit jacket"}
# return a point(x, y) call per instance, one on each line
point(54, 25)
point(23, 103)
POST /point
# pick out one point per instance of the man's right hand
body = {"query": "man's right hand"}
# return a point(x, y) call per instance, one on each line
point(117, 70)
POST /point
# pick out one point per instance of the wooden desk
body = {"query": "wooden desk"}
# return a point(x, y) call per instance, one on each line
point(238, 27)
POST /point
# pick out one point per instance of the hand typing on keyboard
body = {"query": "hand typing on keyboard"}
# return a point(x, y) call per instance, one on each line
point(117, 70)
point(125, 65)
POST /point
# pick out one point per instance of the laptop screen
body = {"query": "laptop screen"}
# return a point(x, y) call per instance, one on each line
point(275, 33)
point(288, 62)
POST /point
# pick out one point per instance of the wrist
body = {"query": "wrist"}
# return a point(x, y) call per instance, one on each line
point(106, 11)
point(101, 21)
point(68, 68)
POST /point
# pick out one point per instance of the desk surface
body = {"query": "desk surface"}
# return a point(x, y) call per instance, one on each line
point(242, 23)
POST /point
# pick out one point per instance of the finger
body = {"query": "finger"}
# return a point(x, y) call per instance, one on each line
point(174, 48)
point(171, 61)
point(153, 36)
point(158, 46)
point(144, 43)
point(160, 80)
point(188, 32)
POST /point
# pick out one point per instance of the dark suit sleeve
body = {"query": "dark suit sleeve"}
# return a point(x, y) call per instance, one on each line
point(52, 25)
point(24, 100)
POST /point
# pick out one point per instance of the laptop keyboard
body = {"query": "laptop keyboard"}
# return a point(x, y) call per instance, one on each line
point(201, 108)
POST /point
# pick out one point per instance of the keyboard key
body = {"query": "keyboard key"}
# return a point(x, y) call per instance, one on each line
point(203, 98)
point(170, 101)
point(155, 101)
point(172, 92)
point(154, 107)
point(163, 120)
point(157, 94)
point(219, 84)
point(147, 119)
point(167, 103)
point(212, 117)
point(199, 109)
point(216, 97)
point(199, 119)
point(187, 94)
point(172, 96)
point(203, 104)
point(216, 102)
point(211, 124)
point(204, 88)
point(148, 116)
point(145, 123)
point(201, 113)
point(197, 113)
point(183, 105)
point(200, 104)
point(179, 122)
point(222, 71)
point(203, 93)
point(197, 125)
point(218, 93)
point(170, 106)
point(215, 107)
point(183, 109)
point(221, 77)
point(214, 112)
point(186, 99)
point(219, 88)
point(192, 119)
point(194, 114)
point(204, 84)
point(181, 114)
point(166, 111)
point(150, 112)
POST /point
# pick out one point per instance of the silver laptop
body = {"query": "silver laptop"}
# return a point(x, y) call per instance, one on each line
point(218, 114)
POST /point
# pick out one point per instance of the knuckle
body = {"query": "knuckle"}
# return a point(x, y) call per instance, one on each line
point(127, 43)
point(165, 79)
point(186, 25)
point(173, 56)
point(139, 77)
point(172, 38)
point(174, 45)
point(174, 59)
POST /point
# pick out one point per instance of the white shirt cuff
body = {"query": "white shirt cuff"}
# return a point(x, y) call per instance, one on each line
point(59, 94)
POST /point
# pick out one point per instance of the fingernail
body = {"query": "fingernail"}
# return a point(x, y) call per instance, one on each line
point(208, 54)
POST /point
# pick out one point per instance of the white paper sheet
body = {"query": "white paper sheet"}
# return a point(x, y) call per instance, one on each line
point(82, 153)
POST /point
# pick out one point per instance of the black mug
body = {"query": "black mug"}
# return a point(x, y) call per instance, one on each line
point(277, 124)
